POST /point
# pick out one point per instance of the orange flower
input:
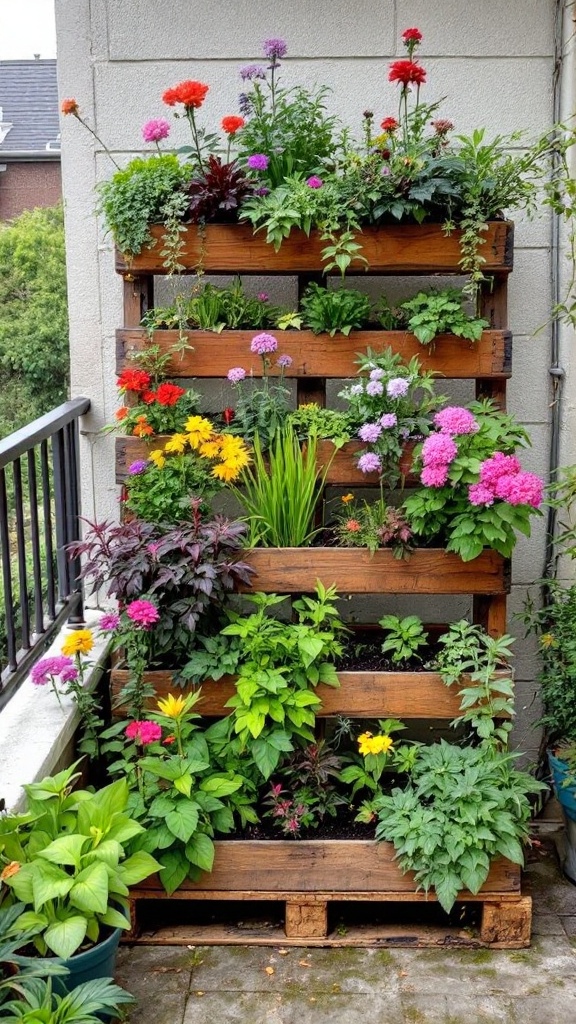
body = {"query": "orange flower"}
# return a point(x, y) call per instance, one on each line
point(190, 93)
point(11, 869)
point(121, 413)
point(347, 498)
point(353, 526)
point(69, 107)
point(232, 124)
point(142, 428)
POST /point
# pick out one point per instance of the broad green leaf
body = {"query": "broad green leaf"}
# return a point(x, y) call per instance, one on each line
point(200, 851)
point(184, 784)
point(65, 850)
point(90, 891)
point(183, 820)
point(174, 870)
point(65, 937)
point(138, 867)
point(30, 921)
point(114, 919)
point(48, 883)
point(220, 786)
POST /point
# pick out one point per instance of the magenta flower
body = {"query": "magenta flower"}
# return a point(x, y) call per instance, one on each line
point(274, 49)
point(369, 463)
point(389, 419)
point(48, 668)
point(258, 162)
point(143, 613)
point(520, 489)
point(284, 361)
point(251, 71)
point(236, 374)
point(263, 343)
point(439, 450)
point(456, 420)
point(498, 465)
point(314, 181)
point(138, 467)
point(434, 476)
point(156, 130)
point(143, 733)
point(478, 494)
point(263, 296)
point(109, 622)
point(69, 674)
point(397, 387)
point(374, 388)
point(370, 432)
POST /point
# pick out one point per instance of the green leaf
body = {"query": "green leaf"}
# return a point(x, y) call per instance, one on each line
point(220, 786)
point(184, 784)
point(174, 870)
point(265, 756)
point(65, 937)
point(183, 820)
point(138, 867)
point(65, 850)
point(200, 851)
point(114, 919)
point(90, 891)
point(49, 883)
point(31, 922)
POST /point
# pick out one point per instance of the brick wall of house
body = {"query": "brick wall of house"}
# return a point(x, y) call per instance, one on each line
point(24, 186)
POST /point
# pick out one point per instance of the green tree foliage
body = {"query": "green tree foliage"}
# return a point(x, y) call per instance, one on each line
point(34, 360)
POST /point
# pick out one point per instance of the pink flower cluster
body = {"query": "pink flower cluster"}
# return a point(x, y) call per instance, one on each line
point(48, 668)
point(143, 613)
point(501, 476)
point(438, 451)
point(156, 130)
point(263, 343)
point(456, 420)
point(143, 733)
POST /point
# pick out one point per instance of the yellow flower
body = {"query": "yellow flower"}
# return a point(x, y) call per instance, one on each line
point(225, 471)
point(11, 869)
point(157, 458)
point(80, 641)
point(199, 429)
point(548, 640)
point(172, 707)
point(364, 743)
point(177, 443)
point(381, 744)
point(347, 498)
point(209, 449)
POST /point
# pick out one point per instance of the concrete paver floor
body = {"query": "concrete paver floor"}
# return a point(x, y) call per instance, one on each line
point(277, 985)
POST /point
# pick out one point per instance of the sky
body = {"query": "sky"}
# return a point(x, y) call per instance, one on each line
point(27, 27)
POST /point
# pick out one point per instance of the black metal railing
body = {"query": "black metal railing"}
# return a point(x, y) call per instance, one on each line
point(39, 517)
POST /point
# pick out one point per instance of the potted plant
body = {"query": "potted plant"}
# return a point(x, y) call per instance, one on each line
point(66, 862)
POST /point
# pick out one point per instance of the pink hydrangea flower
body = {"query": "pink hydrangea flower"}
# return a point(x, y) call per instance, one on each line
point(261, 344)
point(48, 668)
point(434, 476)
point(479, 494)
point(143, 733)
point(439, 450)
point(389, 419)
point(154, 131)
point(456, 420)
point(236, 374)
point(496, 466)
point(369, 463)
point(143, 613)
point(314, 181)
point(370, 432)
point(520, 489)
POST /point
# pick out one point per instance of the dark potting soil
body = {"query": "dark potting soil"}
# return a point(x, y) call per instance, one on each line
point(330, 829)
point(363, 653)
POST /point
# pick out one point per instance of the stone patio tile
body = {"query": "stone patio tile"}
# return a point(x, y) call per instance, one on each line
point(462, 1009)
point(159, 978)
point(330, 971)
point(569, 924)
point(547, 924)
point(558, 1008)
point(288, 1008)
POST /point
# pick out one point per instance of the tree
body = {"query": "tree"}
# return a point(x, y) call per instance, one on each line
point(34, 355)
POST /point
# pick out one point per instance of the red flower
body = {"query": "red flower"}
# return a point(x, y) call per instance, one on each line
point(168, 394)
point(353, 526)
point(121, 413)
point(406, 71)
point(191, 94)
point(232, 124)
point(228, 415)
point(412, 35)
point(69, 107)
point(133, 380)
point(148, 397)
point(389, 124)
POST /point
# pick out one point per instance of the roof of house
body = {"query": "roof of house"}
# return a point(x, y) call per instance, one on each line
point(29, 102)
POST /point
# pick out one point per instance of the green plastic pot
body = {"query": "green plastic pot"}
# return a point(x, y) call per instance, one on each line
point(98, 962)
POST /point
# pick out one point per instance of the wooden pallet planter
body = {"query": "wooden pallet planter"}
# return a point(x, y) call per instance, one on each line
point(390, 249)
point(211, 355)
point(360, 694)
point(309, 875)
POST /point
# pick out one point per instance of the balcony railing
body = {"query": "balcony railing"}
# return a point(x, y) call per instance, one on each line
point(39, 517)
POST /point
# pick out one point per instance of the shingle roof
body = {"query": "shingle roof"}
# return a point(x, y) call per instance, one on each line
point(29, 100)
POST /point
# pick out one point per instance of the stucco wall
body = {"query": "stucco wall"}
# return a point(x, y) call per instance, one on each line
point(493, 60)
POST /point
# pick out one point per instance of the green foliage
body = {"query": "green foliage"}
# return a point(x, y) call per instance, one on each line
point(328, 424)
point(280, 496)
point(214, 309)
point(33, 317)
point(16, 969)
point(84, 1005)
point(72, 850)
point(462, 808)
point(141, 194)
point(374, 525)
point(441, 312)
point(405, 637)
point(334, 310)
point(172, 493)
point(555, 625)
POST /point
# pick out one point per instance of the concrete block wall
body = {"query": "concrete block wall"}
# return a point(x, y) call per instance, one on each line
point(493, 61)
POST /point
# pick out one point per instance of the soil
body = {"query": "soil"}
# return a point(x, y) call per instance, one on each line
point(363, 653)
point(332, 828)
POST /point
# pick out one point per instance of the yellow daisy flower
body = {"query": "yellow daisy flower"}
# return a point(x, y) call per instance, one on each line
point(171, 706)
point(80, 641)
point(225, 471)
point(381, 744)
point(157, 457)
point(199, 429)
point(177, 443)
point(364, 744)
point(209, 449)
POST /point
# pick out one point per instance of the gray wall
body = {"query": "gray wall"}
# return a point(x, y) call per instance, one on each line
point(493, 61)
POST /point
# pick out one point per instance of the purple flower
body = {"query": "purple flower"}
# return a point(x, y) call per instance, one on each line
point(263, 191)
point(385, 172)
point(244, 104)
point(137, 467)
point(284, 361)
point(356, 389)
point(314, 181)
point(236, 374)
point(263, 343)
point(397, 387)
point(374, 387)
point(274, 49)
point(251, 71)
point(109, 622)
point(263, 296)
point(389, 419)
point(69, 674)
point(370, 432)
point(376, 374)
point(43, 670)
point(154, 131)
point(369, 463)
point(404, 433)
point(258, 162)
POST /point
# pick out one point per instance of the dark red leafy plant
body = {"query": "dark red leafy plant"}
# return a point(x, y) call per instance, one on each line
point(217, 191)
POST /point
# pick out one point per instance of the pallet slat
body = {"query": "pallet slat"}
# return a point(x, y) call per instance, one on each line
point(391, 249)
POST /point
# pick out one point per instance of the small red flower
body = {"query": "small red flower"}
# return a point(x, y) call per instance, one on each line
point(133, 380)
point(121, 413)
point(412, 35)
point(406, 72)
point(232, 124)
point(168, 394)
point(389, 124)
point(169, 740)
point(148, 397)
point(69, 107)
point(353, 526)
point(190, 93)
point(228, 415)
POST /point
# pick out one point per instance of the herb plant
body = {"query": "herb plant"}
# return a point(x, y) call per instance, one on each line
point(329, 424)
point(441, 312)
point(139, 195)
point(334, 310)
point(405, 637)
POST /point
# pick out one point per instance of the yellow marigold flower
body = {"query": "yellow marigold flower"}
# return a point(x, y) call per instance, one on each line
point(548, 640)
point(177, 443)
point(157, 457)
point(381, 744)
point(199, 429)
point(11, 869)
point(364, 744)
point(80, 641)
point(225, 471)
point(172, 706)
point(347, 498)
point(209, 449)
